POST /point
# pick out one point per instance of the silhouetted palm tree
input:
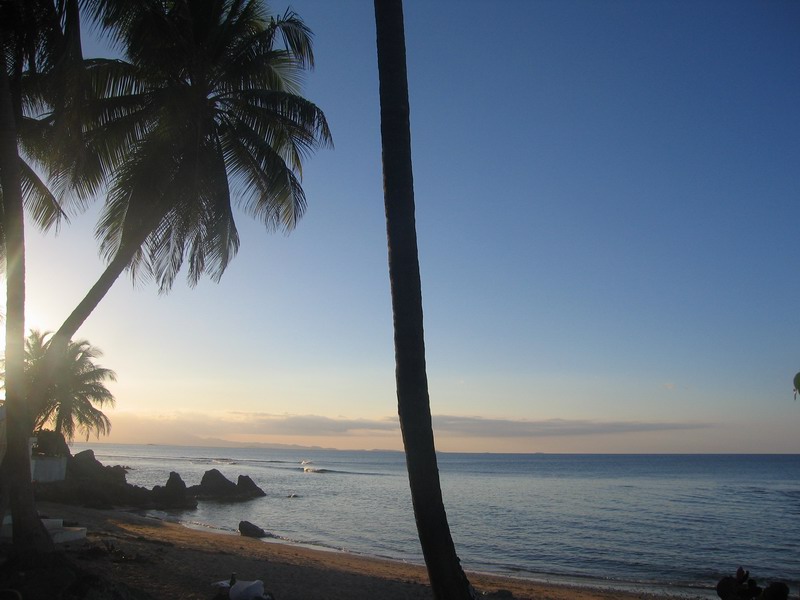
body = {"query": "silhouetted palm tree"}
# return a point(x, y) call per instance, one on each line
point(205, 110)
point(32, 43)
point(78, 391)
point(205, 116)
point(447, 578)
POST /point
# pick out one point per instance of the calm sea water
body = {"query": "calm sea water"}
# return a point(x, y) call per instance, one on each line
point(665, 522)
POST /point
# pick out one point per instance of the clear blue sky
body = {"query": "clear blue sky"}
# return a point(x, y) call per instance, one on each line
point(608, 218)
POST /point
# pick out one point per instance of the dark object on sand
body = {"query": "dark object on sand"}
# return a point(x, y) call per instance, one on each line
point(247, 529)
point(241, 590)
point(776, 591)
point(741, 587)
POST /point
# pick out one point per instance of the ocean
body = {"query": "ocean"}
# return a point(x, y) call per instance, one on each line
point(666, 523)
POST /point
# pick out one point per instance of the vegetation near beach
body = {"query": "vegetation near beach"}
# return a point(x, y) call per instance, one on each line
point(447, 578)
point(77, 392)
point(201, 116)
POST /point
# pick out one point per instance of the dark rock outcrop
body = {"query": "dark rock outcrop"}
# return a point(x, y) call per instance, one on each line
point(85, 467)
point(215, 486)
point(247, 529)
point(50, 443)
point(89, 483)
point(215, 483)
point(174, 494)
point(742, 587)
point(245, 485)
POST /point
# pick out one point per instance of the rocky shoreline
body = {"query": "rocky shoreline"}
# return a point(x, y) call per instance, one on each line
point(91, 484)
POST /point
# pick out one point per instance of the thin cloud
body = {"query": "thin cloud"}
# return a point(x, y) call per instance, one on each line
point(313, 425)
point(505, 428)
point(310, 426)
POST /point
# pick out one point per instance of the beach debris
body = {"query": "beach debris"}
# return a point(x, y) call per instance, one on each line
point(247, 529)
point(243, 590)
point(742, 587)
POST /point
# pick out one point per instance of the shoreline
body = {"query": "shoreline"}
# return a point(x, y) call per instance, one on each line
point(168, 559)
point(574, 582)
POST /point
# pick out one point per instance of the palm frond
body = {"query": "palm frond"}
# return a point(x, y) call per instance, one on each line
point(297, 37)
point(40, 202)
point(268, 190)
point(203, 114)
point(75, 392)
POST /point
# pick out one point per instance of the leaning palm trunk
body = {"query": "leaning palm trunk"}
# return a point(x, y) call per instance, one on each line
point(30, 537)
point(447, 578)
point(120, 262)
point(60, 340)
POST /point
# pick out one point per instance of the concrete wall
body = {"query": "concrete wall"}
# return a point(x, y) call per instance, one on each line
point(48, 468)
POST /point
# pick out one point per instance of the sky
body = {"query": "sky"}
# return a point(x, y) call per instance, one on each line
point(607, 215)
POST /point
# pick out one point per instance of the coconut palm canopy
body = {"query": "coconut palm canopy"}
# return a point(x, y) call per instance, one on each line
point(78, 390)
point(203, 115)
point(34, 43)
point(203, 112)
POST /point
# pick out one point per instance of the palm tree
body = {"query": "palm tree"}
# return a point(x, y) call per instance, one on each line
point(205, 109)
point(447, 578)
point(32, 40)
point(204, 115)
point(79, 386)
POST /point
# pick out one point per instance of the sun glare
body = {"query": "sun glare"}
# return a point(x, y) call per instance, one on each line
point(34, 319)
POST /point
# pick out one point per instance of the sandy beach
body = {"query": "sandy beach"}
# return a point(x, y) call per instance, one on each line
point(167, 560)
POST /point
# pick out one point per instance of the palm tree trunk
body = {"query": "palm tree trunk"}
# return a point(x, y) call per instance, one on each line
point(96, 293)
point(30, 537)
point(60, 340)
point(447, 578)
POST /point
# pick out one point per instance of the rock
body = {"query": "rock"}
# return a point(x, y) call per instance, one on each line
point(742, 587)
point(215, 486)
point(776, 591)
point(247, 529)
point(726, 587)
point(175, 485)
point(173, 495)
point(50, 443)
point(246, 486)
point(85, 466)
point(91, 484)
